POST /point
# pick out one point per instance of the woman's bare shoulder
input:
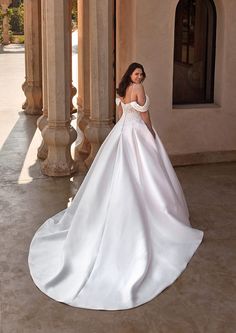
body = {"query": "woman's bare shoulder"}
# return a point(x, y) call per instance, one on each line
point(138, 85)
point(138, 88)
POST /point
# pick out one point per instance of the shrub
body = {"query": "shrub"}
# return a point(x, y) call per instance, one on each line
point(16, 23)
point(74, 15)
point(17, 39)
point(16, 19)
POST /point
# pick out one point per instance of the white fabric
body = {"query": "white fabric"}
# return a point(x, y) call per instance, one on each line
point(126, 235)
point(135, 105)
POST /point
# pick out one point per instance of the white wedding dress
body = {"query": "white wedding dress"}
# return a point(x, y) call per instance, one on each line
point(126, 236)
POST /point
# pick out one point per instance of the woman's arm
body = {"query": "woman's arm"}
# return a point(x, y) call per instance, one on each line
point(119, 111)
point(138, 94)
point(141, 99)
point(146, 118)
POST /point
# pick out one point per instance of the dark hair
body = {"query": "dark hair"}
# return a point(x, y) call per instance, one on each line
point(126, 79)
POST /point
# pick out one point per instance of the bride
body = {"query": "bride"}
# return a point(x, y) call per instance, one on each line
point(126, 236)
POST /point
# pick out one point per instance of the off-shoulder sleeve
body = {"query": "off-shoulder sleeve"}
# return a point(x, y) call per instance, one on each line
point(118, 101)
point(141, 108)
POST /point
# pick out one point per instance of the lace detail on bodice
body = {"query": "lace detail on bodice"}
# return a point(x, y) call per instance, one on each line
point(131, 112)
point(135, 105)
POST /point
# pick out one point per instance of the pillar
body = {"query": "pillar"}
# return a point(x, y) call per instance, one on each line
point(58, 133)
point(83, 100)
point(101, 74)
point(5, 24)
point(73, 93)
point(73, 88)
point(42, 121)
point(33, 57)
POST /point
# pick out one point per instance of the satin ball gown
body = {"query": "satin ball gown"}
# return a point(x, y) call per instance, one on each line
point(126, 235)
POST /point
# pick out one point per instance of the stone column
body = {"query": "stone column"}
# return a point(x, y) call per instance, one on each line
point(42, 121)
point(33, 57)
point(5, 24)
point(83, 77)
point(73, 88)
point(24, 85)
point(73, 92)
point(101, 74)
point(58, 133)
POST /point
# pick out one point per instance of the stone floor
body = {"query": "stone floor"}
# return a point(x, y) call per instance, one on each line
point(202, 300)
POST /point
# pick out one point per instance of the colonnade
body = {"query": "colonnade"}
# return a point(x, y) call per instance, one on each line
point(48, 83)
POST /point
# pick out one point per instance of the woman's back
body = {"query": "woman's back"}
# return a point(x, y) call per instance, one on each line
point(134, 93)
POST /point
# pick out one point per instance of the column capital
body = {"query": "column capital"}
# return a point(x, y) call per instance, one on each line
point(58, 139)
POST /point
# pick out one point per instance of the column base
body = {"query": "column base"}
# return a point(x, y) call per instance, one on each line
point(58, 169)
point(84, 146)
point(42, 151)
point(80, 160)
point(73, 109)
point(58, 140)
point(24, 105)
point(96, 132)
point(43, 148)
point(34, 100)
point(24, 85)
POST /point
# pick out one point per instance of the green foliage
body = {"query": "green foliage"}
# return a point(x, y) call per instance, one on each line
point(21, 39)
point(16, 19)
point(10, 36)
point(16, 3)
point(17, 39)
point(74, 15)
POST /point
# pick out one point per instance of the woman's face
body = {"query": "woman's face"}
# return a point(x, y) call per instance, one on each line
point(137, 75)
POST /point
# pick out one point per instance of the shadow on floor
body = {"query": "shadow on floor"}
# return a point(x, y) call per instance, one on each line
point(15, 147)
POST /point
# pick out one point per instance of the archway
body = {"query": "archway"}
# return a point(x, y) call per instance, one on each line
point(194, 52)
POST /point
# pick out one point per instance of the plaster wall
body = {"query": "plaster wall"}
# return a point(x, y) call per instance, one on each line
point(188, 129)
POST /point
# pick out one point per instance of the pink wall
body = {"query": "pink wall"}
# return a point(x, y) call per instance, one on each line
point(187, 130)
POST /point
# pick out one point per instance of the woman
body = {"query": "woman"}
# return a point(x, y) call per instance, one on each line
point(126, 235)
